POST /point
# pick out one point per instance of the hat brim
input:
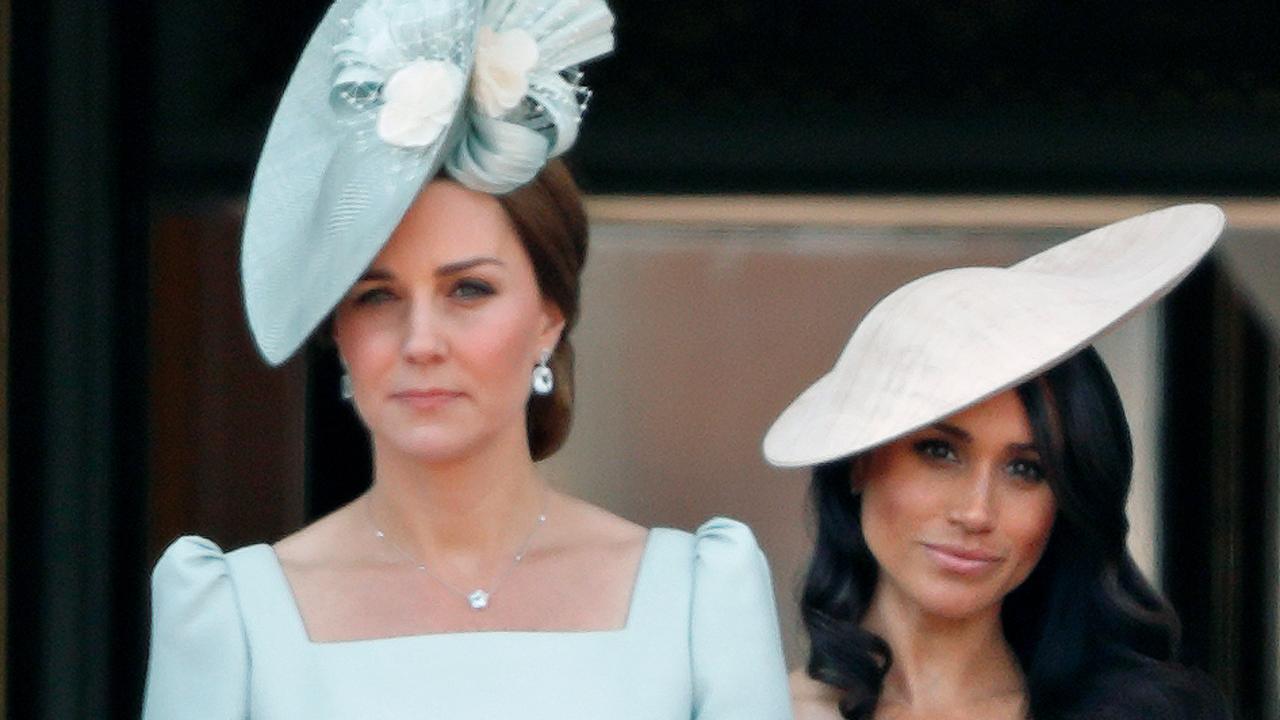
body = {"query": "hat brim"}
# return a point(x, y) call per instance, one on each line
point(328, 193)
point(952, 339)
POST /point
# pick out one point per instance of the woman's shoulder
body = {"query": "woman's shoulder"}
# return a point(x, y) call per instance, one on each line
point(721, 557)
point(720, 541)
point(811, 699)
point(190, 554)
point(326, 540)
point(580, 524)
point(193, 555)
point(720, 553)
point(192, 570)
point(198, 661)
point(195, 616)
point(192, 561)
point(195, 575)
point(724, 551)
point(734, 641)
point(726, 540)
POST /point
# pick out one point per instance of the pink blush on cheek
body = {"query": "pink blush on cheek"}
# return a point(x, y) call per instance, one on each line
point(1034, 546)
point(897, 504)
point(889, 520)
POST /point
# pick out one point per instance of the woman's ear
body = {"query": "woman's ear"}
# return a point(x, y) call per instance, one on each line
point(552, 325)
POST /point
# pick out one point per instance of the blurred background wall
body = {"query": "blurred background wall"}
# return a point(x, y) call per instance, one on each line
point(695, 336)
point(760, 172)
point(698, 329)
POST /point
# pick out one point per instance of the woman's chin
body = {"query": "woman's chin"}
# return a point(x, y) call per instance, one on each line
point(956, 603)
point(430, 448)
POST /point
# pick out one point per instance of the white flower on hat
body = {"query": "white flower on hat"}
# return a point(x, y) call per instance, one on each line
point(419, 101)
point(503, 63)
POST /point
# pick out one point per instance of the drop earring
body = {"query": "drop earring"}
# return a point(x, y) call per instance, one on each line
point(345, 388)
point(543, 379)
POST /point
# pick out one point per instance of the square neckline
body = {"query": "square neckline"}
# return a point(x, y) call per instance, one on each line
point(300, 626)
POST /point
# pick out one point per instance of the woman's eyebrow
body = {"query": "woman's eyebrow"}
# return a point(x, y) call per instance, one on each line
point(963, 435)
point(952, 430)
point(453, 268)
point(462, 265)
point(374, 274)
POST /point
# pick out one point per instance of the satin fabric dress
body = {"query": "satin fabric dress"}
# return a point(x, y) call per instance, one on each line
point(701, 642)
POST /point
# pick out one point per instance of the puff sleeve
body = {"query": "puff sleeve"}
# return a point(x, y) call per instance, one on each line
point(738, 669)
point(199, 663)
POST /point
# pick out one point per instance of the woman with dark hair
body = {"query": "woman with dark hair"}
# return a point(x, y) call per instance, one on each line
point(971, 465)
point(413, 213)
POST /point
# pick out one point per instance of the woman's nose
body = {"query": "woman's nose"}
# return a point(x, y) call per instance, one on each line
point(423, 340)
point(973, 507)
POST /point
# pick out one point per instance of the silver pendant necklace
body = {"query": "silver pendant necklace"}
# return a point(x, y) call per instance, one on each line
point(478, 599)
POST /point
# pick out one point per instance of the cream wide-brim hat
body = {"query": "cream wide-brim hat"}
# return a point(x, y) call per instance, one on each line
point(949, 340)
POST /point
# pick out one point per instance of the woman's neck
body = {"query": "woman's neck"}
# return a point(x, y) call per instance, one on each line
point(942, 666)
point(474, 509)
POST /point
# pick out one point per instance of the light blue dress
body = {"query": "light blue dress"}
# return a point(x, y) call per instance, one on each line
point(701, 642)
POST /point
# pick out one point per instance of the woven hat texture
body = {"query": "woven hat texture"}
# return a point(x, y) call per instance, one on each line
point(386, 95)
point(951, 339)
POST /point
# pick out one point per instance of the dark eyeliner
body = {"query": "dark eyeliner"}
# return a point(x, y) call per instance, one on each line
point(371, 296)
point(1034, 470)
point(934, 449)
point(471, 288)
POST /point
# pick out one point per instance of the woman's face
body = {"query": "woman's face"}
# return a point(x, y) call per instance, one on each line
point(958, 514)
point(442, 331)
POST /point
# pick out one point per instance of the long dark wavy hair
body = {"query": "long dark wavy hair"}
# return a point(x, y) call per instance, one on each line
point(1093, 638)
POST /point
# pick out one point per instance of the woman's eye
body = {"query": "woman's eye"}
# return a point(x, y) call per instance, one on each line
point(374, 296)
point(936, 450)
point(1028, 469)
point(471, 289)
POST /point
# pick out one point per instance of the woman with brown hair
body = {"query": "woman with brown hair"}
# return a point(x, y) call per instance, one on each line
point(415, 218)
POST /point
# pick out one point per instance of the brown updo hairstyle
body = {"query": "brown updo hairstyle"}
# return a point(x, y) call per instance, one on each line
point(551, 223)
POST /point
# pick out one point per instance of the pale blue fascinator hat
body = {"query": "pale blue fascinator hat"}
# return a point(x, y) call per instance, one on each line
point(386, 95)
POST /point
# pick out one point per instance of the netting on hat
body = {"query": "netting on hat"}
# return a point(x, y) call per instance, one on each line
point(568, 33)
point(381, 38)
point(499, 150)
point(383, 98)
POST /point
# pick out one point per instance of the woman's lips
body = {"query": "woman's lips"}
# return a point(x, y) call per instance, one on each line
point(961, 560)
point(426, 399)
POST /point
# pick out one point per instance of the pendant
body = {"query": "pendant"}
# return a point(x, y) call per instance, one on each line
point(543, 380)
point(479, 600)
